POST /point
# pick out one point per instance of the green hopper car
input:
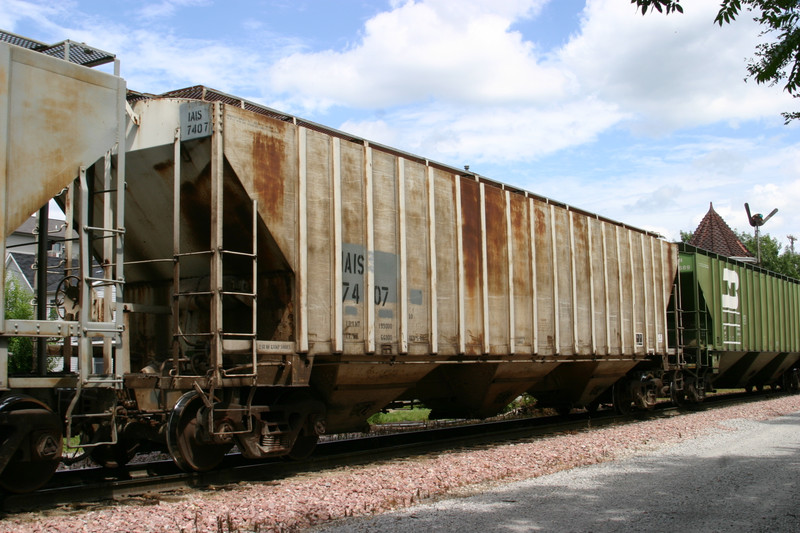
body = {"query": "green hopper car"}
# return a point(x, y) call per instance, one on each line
point(740, 324)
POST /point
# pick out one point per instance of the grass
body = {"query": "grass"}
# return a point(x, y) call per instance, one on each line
point(420, 414)
point(393, 416)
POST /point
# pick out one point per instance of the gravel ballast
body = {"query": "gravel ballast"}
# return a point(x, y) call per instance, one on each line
point(312, 500)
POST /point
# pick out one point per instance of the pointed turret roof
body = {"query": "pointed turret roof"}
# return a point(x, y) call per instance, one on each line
point(714, 235)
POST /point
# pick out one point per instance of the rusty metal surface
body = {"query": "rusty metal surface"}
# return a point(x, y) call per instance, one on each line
point(59, 116)
point(472, 256)
point(499, 288)
point(574, 287)
point(523, 275)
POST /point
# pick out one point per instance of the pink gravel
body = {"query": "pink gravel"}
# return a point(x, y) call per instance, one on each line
point(309, 500)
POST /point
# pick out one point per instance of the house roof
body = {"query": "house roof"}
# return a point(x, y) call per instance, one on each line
point(57, 229)
point(26, 263)
point(13, 269)
point(714, 234)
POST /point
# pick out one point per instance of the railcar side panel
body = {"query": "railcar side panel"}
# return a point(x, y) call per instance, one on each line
point(521, 288)
point(354, 260)
point(498, 286)
point(385, 258)
point(449, 321)
point(321, 248)
point(598, 286)
point(546, 295)
point(417, 253)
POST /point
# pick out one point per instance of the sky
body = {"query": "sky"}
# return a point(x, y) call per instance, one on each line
point(641, 119)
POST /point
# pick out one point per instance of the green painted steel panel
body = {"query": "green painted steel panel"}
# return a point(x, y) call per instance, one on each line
point(686, 262)
point(751, 309)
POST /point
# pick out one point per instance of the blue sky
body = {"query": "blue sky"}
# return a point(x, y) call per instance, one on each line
point(645, 120)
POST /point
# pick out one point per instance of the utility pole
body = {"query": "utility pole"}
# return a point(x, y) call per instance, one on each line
point(791, 238)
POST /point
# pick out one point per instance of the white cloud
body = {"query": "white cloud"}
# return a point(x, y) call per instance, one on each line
point(167, 8)
point(454, 134)
point(460, 69)
point(457, 52)
point(41, 12)
point(157, 63)
point(479, 86)
point(154, 58)
point(673, 71)
point(666, 186)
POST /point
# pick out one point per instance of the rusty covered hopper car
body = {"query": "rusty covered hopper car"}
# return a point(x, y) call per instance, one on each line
point(308, 258)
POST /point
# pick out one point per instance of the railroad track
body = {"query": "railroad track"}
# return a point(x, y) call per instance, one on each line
point(96, 484)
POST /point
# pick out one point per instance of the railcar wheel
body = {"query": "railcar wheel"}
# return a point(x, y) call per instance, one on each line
point(678, 397)
point(623, 399)
point(312, 425)
point(186, 440)
point(110, 455)
point(645, 397)
point(791, 381)
point(695, 392)
point(563, 409)
point(31, 434)
point(303, 447)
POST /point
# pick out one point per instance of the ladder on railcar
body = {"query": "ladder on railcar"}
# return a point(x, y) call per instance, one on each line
point(675, 359)
point(695, 327)
point(100, 286)
point(220, 342)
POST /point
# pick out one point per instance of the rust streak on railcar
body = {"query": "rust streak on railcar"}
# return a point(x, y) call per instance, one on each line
point(582, 291)
point(497, 262)
point(472, 252)
point(520, 240)
point(541, 222)
point(545, 281)
point(268, 153)
point(164, 169)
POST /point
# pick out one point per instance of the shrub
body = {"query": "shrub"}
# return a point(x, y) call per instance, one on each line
point(18, 305)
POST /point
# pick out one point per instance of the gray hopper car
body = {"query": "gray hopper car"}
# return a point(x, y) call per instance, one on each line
point(379, 275)
point(260, 280)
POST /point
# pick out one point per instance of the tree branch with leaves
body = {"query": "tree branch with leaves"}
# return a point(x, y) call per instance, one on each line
point(777, 61)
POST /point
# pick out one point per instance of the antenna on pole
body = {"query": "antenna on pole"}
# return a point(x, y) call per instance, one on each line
point(791, 238)
point(757, 221)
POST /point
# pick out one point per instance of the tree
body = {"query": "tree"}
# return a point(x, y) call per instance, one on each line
point(777, 61)
point(18, 305)
point(786, 263)
point(770, 249)
point(790, 264)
